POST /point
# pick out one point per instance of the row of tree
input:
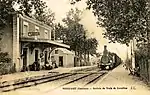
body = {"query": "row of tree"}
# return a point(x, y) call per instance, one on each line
point(74, 34)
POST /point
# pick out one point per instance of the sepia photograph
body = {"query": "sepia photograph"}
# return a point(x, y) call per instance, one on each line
point(74, 47)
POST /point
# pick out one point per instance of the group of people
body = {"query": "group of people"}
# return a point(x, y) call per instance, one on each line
point(47, 66)
point(132, 71)
point(35, 66)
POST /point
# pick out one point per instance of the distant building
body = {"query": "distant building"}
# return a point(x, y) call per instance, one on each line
point(63, 57)
point(27, 41)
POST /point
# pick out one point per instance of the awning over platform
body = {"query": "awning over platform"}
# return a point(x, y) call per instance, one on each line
point(44, 41)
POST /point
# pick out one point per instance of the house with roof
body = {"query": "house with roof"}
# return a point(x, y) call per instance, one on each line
point(27, 41)
point(64, 57)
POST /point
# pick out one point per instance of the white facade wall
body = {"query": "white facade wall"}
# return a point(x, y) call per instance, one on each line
point(68, 59)
point(65, 59)
point(16, 46)
point(70, 62)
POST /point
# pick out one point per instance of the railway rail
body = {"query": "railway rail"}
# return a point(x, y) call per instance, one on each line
point(86, 77)
point(32, 82)
point(85, 80)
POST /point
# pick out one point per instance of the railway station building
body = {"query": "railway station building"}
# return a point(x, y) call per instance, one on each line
point(28, 40)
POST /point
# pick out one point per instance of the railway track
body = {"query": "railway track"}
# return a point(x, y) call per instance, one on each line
point(81, 79)
point(85, 80)
point(85, 77)
point(35, 81)
point(95, 79)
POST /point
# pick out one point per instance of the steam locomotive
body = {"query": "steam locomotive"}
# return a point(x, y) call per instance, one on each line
point(109, 60)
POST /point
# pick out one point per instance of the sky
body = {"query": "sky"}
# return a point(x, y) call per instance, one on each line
point(61, 7)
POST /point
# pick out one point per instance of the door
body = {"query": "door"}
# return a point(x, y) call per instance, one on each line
point(45, 57)
point(61, 61)
point(24, 59)
point(74, 61)
point(36, 55)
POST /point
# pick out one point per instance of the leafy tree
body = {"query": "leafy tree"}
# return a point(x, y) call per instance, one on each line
point(75, 31)
point(74, 34)
point(33, 8)
point(6, 11)
point(37, 9)
point(47, 17)
point(122, 19)
point(60, 32)
point(90, 46)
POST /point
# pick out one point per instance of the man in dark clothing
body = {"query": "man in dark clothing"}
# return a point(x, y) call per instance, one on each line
point(36, 65)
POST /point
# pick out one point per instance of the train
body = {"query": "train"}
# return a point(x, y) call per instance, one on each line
point(109, 60)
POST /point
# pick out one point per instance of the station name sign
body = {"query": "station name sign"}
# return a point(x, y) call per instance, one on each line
point(33, 33)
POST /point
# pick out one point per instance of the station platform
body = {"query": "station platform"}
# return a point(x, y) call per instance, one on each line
point(116, 82)
point(119, 82)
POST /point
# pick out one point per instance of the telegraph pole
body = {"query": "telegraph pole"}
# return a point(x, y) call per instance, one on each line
point(133, 54)
point(84, 49)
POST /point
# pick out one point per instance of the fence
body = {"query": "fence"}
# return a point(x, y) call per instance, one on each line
point(6, 68)
point(142, 61)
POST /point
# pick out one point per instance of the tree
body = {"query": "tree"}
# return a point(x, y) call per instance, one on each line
point(76, 33)
point(122, 19)
point(90, 46)
point(33, 8)
point(73, 33)
point(37, 9)
point(60, 32)
point(6, 11)
point(74, 30)
point(47, 17)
